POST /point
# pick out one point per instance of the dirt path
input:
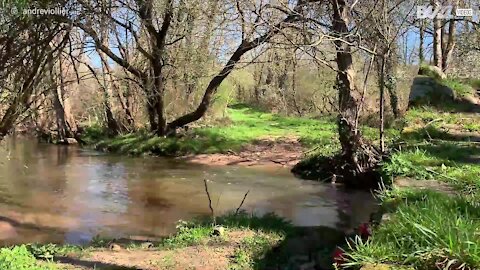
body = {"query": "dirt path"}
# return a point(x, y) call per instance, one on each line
point(206, 256)
point(284, 152)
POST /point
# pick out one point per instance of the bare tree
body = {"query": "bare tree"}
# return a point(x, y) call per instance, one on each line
point(25, 54)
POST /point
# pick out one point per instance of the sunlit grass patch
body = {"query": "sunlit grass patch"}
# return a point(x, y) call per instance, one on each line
point(426, 229)
point(19, 258)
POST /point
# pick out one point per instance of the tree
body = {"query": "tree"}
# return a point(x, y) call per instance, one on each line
point(152, 42)
point(359, 156)
point(25, 55)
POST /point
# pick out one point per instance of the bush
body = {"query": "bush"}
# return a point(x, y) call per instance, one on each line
point(19, 258)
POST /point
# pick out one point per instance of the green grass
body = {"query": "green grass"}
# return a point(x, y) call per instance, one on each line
point(20, 258)
point(426, 230)
point(196, 231)
point(461, 89)
point(252, 248)
point(262, 234)
point(244, 126)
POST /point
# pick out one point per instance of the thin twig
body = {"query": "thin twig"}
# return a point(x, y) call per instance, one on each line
point(241, 204)
point(428, 124)
point(209, 201)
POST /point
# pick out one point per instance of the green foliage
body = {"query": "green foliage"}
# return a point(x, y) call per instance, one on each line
point(199, 231)
point(409, 163)
point(475, 83)
point(429, 71)
point(426, 229)
point(461, 89)
point(266, 223)
point(247, 255)
point(94, 133)
point(188, 234)
point(19, 258)
point(247, 125)
point(100, 241)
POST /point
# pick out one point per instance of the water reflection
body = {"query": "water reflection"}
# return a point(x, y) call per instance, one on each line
point(67, 194)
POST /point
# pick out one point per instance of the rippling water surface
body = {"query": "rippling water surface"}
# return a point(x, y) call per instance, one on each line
point(54, 193)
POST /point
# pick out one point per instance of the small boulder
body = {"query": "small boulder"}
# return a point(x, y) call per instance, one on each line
point(146, 245)
point(218, 231)
point(71, 141)
point(114, 247)
point(426, 90)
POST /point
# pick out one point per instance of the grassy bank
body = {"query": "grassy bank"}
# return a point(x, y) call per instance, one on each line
point(238, 241)
point(437, 227)
point(242, 126)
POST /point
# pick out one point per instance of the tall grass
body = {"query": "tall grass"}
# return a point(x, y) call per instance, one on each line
point(428, 230)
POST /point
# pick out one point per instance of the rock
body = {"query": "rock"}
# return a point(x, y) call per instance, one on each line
point(432, 71)
point(426, 90)
point(7, 231)
point(146, 245)
point(218, 231)
point(385, 217)
point(71, 141)
point(114, 247)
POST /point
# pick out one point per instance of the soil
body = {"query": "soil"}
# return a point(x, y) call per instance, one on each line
point(284, 152)
point(207, 256)
point(442, 187)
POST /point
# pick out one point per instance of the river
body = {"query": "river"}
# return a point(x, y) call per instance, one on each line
point(66, 194)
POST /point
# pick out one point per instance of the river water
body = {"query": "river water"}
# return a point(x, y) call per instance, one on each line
point(64, 194)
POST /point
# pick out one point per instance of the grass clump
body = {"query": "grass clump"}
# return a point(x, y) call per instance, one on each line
point(49, 251)
point(251, 251)
point(427, 230)
point(20, 258)
point(461, 89)
point(199, 231)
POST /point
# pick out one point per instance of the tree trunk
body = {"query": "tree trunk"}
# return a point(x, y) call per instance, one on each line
point(421, 53)
point(62, 128)
point(106, 86)
point(390, 80)
point(450, 43)
point(360, 157)
point(382, 103)
point(437, 39)
point(212, 87)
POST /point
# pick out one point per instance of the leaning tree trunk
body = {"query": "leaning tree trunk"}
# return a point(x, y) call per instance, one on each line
point(359, 156)
point(244, 47)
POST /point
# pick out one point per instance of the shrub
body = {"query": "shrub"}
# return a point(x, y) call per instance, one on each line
point(19, 258)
